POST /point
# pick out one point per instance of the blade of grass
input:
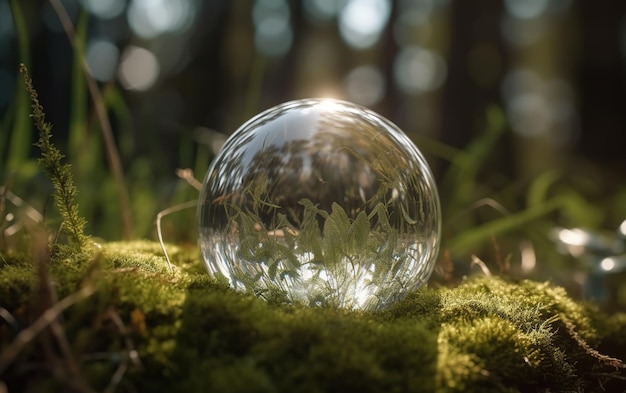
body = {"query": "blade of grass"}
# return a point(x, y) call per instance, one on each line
point(78, 108)
point(469, 239)
point(538, 190)
point(118, 107)
point(203, 159)
point(459, 182)
point(112, 153)
point(84, 144)
point(437, 148)
point(139, 172)
point(21, 135)
point(5, 127)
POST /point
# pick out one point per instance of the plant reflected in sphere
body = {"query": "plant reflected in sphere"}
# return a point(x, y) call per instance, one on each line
point(321, 202)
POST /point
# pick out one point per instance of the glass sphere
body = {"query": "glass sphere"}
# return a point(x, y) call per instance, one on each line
point(321, 202)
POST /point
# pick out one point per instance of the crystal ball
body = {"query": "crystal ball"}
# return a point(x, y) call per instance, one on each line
point(321, 202)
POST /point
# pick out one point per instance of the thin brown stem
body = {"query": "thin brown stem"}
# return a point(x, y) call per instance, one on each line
point(187, 175)
point(165, 212)
point(605, 359)
point(112, 154)
point(131, 354)
point(50, 315)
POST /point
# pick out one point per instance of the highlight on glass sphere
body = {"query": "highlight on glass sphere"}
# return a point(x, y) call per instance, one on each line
point(321, 202)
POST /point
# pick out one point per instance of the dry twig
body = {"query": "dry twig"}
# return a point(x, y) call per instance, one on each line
point(163, 213)
point(608, 360)
point(187, 175)
point(482, 265)
point(49, 316)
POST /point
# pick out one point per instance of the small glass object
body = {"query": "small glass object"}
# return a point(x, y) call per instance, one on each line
point(321, 202)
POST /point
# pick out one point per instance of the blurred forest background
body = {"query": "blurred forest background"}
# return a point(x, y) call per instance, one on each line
point(518, 105)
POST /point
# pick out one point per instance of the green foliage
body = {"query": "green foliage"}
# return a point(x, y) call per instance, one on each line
point(187, 332)
point(464, 242)
point(191, 333)
point(60, 174)
point(350, 252)
point(492, 210)
point(460, 182)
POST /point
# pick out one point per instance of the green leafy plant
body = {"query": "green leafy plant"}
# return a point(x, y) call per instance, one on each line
point(60, 174)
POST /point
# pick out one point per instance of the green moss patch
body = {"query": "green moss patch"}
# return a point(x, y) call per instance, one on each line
point(144, 328)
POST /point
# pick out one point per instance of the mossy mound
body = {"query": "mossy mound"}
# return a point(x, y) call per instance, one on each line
point(142, 328)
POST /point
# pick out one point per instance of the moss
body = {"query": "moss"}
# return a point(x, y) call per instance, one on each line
point(184, 331)
point(17, 279)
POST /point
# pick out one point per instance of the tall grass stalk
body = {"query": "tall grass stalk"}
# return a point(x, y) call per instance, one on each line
point(460, 181)
point(470, 239)
point(84, 142)
point(112, 153)
point(21, 134)
point(77, 134)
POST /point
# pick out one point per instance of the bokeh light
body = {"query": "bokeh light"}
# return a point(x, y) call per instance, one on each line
point(102, 57)
point(522, 32)
point(522, 80)
point(418, 70)
point(105, 9)
point(539, 107)
point(529, 114)
point(322, 10)
point(273, 36)
point(608, 263)
point(151, 18)
point(264, 9)
point(415, 12)
point(6, 24)
point(365, 85)
point(361, 22)
point(139, 68)
point(525, 9)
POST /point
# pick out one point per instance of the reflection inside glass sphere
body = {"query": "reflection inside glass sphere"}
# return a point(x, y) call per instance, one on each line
point(321, 202)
